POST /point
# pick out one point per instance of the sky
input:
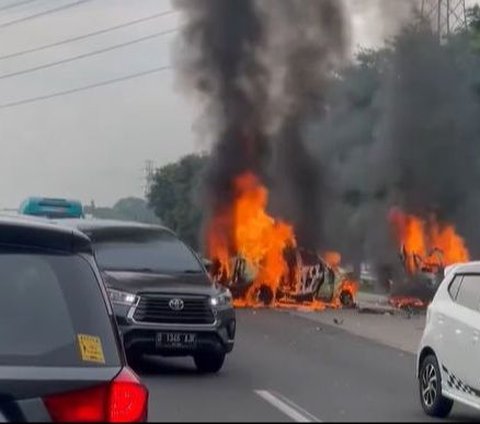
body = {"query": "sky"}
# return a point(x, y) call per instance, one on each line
point(92, 145)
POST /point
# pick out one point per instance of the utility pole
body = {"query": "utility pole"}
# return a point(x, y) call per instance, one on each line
point(445, 16)
point(149, 173)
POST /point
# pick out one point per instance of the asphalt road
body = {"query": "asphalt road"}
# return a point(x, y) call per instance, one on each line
point(287, 368)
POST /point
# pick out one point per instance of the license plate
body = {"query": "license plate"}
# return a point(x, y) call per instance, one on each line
point(176, 340)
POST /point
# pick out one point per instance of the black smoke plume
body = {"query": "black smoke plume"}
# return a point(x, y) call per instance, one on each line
point(222, 41)
point(261, 68)
point(314, 43)
point(338, 147)
point(404, 133)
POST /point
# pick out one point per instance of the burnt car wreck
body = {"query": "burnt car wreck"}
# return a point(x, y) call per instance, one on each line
point(308, 278)
point(419, 280)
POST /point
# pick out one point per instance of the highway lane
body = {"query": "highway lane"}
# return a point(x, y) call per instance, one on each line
point(286, 368)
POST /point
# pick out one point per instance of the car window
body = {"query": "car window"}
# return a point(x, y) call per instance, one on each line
point(135, 250)
point(454, 286)
point(469, 293)
point(49, 305)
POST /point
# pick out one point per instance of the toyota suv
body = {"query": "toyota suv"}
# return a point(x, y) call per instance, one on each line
point(61, 357)
point(447, 360)
point(164, 300)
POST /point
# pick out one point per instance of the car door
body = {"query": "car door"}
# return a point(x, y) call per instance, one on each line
point(463, 370)
point(444, 321)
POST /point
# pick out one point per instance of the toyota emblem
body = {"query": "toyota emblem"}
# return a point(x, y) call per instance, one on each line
point(176, 304)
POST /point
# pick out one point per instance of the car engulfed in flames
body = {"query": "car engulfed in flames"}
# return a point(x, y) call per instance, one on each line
point(309, 282)
point(258, 258)
point(427, 247)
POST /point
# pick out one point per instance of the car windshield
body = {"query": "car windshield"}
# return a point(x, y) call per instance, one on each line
point(48, 303)
point(156, 251)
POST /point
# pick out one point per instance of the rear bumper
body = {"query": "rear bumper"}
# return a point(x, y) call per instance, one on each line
point(140, 337)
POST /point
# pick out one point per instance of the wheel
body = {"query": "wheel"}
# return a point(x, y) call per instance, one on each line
point(430, 389)
point(346, 299)
point(265, 295)
point(209, 362)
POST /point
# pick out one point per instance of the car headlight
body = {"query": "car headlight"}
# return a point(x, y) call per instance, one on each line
point(122, 298)
point(224, 299)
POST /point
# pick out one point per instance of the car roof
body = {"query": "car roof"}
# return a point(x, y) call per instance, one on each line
point(30, 232)
point(93, 224)
point(466, 267)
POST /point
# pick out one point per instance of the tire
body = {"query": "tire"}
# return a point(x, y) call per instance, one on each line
point(265, 295)
point(346, 299)
point(430, 389)
point(209, 362)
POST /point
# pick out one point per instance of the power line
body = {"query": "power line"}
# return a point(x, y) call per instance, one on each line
point(46, 12)
point(83, 88)
point(84, 55)
point(84, 36)
point(18, 3)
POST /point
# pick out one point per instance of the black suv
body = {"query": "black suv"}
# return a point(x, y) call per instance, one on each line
point(164, 300)
point(61, 357)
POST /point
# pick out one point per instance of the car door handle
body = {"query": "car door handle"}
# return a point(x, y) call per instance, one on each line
point(441, 319)
point(476, 336)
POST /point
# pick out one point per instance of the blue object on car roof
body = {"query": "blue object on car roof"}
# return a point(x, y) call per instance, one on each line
point(52, 208)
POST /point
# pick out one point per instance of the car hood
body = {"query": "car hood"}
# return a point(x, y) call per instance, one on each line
point(136, 282)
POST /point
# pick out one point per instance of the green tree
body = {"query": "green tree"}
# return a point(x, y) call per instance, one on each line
point(173, 196)
point(474, 24)
point(126, 209)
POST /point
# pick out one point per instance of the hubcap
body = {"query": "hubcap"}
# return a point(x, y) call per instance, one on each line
point(429, 385)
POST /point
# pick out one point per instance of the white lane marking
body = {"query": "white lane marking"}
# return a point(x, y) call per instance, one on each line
point(286, 406)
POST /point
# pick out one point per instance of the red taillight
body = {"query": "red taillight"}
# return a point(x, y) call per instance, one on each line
point(84, 405)
point(125, 399)
point(128, 399)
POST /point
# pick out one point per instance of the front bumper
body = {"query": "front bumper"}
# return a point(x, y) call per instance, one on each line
point(140, 337)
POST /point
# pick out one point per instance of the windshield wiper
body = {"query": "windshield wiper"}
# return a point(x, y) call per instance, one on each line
point(192, 271)
point(145, 270)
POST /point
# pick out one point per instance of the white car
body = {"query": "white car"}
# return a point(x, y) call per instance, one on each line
point(447, 365)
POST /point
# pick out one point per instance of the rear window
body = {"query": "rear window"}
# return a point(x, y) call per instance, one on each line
point(49, 305)
point(143, 250)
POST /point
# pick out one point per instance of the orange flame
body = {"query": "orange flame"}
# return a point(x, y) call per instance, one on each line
point(348, 284)
point(427, 245)
point(333, 259)
point(256, 236)
point(351, 286)
point(406, 301)
point(244, 237)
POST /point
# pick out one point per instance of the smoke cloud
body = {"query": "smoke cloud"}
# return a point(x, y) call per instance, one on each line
point(428, 132)
point(338, 145)
point(309, 52)
point(403, 133)
point(261, 69)
point(379, 20)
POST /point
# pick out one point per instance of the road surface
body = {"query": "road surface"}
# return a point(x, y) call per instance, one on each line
point(286, 368)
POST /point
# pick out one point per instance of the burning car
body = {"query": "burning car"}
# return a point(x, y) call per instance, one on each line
point(261, 260)
point(419, 281)
point(309, 278)
point(427, 246)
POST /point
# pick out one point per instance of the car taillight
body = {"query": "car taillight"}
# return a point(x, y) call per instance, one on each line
point(128, 399)
point(124, 399)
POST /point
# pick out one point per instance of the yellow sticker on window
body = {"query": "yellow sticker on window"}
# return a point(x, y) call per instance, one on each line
point(91, 348)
